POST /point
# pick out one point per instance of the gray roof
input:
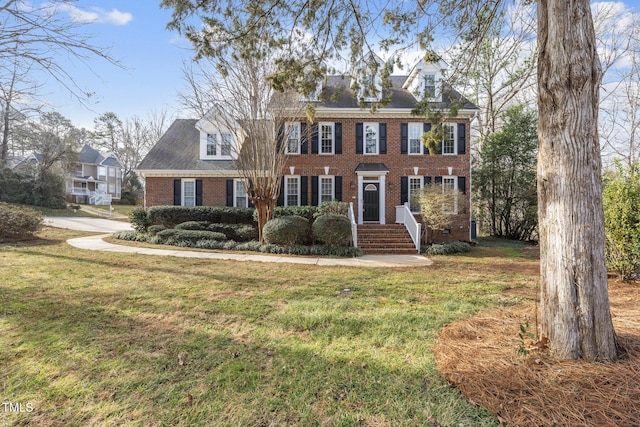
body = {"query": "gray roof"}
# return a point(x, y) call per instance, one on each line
point(179, 149)
point(371, 167)
point(338, 94)
point(94, 157)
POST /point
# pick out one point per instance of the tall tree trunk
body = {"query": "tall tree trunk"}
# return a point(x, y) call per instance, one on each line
point(574, 292)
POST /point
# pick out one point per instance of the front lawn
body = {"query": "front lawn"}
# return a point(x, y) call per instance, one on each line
point(98, 338)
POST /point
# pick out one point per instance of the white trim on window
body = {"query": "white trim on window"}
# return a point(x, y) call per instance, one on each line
point(326, 188)
point(326, 138)
point(216, 145)
point(240, 196)
point(450, 184)
point(449, 138)
point(429, 85)
point(188, 192)
point(371, 138)
point(414, 187)
point(292, 190)
point(292, 137)
point(414, 142)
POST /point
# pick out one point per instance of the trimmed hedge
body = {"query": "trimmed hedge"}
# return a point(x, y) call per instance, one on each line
point(286, 230)
point(333, 208)
point(193, 225)
point(332, 230)
point(170, 216)
point(19, 222)
point(308, 212)
point(139, 219)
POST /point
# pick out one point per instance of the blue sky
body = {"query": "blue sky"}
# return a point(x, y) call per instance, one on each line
point(152, 56)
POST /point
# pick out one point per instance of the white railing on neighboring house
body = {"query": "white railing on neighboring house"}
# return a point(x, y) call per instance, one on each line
point(354, 226)
point(404, 216)
point(77, 191)
point(100, 198)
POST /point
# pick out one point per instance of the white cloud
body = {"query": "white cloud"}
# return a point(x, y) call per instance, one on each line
point(97, 15)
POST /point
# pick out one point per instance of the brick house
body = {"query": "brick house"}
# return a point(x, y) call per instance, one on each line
point(373, 159)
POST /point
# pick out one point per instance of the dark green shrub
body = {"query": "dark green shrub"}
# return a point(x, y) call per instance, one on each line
point(193, 225)
point(333, 208)
point(19, 222)
point(155, 229)
point(286, 230)
point(307, 212)
point(173, 235)
point(139, 219)
point(237, 232)
point(170, 216)
point(31, 188)
point(332, 230)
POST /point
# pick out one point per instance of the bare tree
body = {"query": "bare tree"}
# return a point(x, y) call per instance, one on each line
point(241, 101)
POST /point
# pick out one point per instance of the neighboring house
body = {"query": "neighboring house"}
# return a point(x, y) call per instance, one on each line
point(374, 159)
point(95, 179)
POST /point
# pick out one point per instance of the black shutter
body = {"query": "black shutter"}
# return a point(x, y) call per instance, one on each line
point(383, 138)
point(229, 192)
point(314, 191)
point(426, 181)
point(359, 138)
point(338, 138)
point(304, 190)
point(438, 180)
point(198, 192)
point(314, 138)
point(177, 192)
point(280, 140)
point(337, 190)
point(249, 193)
point(404, 189)
point(462, 141)
point(404, 138)
point(462, 184)
point(426, 128)
point(304, 140)
point(280, 201)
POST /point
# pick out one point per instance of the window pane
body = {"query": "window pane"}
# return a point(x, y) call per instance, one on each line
point(326, 139)
point(448, 188)
point(292, 192)
point(448, 142)
point(415, 138)
point(430, 85)
point(326, 189)
point(371, 139)
point(189, 193)
point(212, 141)
point(293, 140)
point(415, 184)
point(241, 195)
point(225, 146)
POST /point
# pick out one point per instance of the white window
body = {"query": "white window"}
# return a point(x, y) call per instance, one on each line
point(216, 145)
point(293, 138)
point(212, 144)
point(370, 88)
point(112, 172)
point(292, 191)
point(429, 82)
point(188, 192)
point(415, 185)
point(448, 138)
point(240, 197)
point(325, 138)
point(450, 187)
point(112, 188)
point(371, 138)
point(326, 190)
point(415, 138)
point(102, 171)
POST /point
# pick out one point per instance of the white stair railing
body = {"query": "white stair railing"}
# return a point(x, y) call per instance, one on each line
point(404, 216)
point(354, 226)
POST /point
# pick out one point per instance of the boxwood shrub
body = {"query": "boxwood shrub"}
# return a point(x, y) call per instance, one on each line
point(286, 230)
point(193, 225)
point(237, 232)
point(139, 219)
point(307, 212)
point(192, 236)
point(170, 216)
point(332, 230)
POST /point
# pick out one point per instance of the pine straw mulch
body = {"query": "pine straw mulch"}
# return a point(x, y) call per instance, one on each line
point(478, 355)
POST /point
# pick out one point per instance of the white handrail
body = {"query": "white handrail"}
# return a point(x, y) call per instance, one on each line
point(354, 226)
point(404, 216)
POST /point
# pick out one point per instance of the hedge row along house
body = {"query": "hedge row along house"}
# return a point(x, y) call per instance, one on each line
point(373, 158)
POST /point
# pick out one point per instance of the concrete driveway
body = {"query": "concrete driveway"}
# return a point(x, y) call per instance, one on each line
point(97, 225)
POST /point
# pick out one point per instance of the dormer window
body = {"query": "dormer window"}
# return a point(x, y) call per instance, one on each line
point(370, 88)
point(429, 85)
point(217, 145)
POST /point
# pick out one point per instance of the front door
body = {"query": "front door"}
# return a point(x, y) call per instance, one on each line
point(371, 202)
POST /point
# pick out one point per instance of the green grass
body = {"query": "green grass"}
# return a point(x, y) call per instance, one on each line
point(96, 338)
point(59, 212)
point(117, 209)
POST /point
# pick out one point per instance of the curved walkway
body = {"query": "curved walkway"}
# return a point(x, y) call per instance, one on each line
point(96, 243)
